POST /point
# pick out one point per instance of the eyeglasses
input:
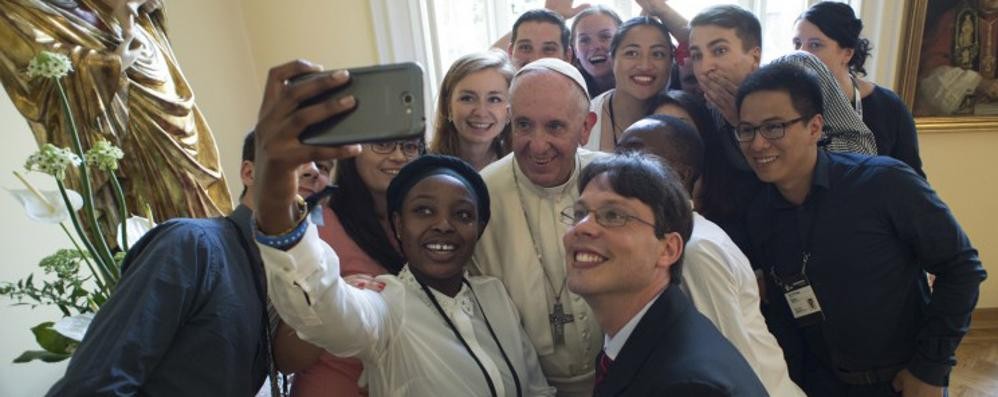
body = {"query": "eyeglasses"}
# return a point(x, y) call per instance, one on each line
point(606, 216)
point(745, 132)
point(410, 149)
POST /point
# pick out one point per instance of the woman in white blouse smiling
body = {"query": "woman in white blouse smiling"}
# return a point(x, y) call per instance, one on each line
point(641, 52)
point(434, 330)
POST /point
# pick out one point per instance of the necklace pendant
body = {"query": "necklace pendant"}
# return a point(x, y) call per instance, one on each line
point(558, 320)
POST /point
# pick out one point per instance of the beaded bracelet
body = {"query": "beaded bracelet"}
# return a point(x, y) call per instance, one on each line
point(288, 239)
point(285, 241)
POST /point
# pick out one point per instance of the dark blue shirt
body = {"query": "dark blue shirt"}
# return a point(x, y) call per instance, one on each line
point(872, 227)
point(729, 185)
point(185, 320)
point(893, 127)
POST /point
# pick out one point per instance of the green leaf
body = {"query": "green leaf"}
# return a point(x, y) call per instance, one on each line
point(43, 355)
point(52, 341)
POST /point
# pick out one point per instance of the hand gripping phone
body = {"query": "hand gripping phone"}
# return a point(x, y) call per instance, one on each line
point(389, 106)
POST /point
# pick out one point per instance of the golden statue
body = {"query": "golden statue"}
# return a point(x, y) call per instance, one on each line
point(126, 87)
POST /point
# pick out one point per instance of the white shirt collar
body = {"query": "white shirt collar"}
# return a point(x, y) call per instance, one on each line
point(612, 345)
point(548, 192)
point(463, 300)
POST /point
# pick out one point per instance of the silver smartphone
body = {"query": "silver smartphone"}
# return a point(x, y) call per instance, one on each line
point(389, 107)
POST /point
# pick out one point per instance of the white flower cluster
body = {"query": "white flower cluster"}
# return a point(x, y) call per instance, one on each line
point(104, 156)
point(52, 160)
point(49, 65)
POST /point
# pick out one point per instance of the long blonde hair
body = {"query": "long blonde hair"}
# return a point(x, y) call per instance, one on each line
point(445, 137)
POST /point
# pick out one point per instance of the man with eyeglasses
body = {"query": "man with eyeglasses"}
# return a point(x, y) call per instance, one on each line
point(845, 241)
point(717, 276)
point(624, 251)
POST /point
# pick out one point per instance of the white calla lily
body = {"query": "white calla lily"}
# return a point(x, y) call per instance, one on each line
point(74, 327)
point(136, 227)
point(50, 210)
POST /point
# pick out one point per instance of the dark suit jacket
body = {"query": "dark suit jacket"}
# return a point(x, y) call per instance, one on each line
point(676, 351)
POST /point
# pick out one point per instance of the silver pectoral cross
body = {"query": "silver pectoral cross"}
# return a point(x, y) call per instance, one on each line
point(558, 320)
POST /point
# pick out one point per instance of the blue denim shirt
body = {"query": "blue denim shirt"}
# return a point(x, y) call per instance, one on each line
point(185, 320)
point(872, 227)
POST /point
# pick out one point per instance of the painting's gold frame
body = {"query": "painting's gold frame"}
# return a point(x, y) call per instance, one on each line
point(913, 27)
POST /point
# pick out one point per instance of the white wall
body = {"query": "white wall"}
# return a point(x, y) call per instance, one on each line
point(24, 243)
point(335, 34)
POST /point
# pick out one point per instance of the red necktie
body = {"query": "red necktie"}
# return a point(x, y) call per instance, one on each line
point(603, 367)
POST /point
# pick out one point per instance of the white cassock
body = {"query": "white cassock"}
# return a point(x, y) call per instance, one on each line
point(508, 250)
point(721, 283)
point(404, 342)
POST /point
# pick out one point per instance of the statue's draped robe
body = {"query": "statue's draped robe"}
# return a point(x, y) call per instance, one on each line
point(171, 161)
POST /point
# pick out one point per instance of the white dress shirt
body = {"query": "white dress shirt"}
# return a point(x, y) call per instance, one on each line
point(405, 344)
point(613, 344)
point(721, 284)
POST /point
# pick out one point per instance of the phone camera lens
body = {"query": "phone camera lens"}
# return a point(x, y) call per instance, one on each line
point(407, 98)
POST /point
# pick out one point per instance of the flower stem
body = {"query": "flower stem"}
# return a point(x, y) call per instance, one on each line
point(122, 209)
point(97, 278)
point(88, 194)
point(83, 236)
point(41, 197)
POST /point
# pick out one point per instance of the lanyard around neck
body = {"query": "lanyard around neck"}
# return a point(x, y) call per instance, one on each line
point(453, 328)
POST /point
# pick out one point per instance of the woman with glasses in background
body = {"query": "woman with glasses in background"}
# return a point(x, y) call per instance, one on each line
point(355, 224)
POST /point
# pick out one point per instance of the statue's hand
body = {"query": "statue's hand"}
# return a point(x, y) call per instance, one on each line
point(124, 12)
point(125, 51)
point(151, 5)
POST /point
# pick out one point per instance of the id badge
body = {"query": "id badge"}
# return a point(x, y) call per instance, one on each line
point(803, 302)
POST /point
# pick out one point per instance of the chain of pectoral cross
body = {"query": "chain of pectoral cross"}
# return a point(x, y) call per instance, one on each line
point(557, 317)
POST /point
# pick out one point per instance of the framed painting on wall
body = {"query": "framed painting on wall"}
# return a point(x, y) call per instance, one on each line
point(947, 72)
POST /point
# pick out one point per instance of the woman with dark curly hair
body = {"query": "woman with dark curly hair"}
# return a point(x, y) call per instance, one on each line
point(831, 31)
